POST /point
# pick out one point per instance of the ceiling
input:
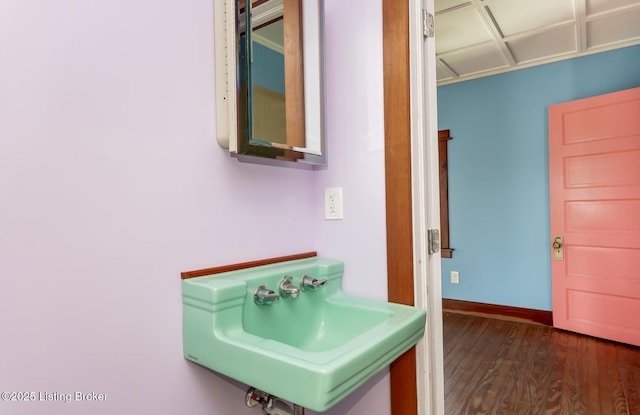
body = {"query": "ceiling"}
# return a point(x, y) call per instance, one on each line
point(476, 38)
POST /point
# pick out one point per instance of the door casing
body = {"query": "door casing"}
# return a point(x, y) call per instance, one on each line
point(412, 200)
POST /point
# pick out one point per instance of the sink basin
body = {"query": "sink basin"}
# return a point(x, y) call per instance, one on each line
point(312, 350)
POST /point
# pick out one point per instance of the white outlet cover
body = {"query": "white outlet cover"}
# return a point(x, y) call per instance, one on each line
point(333, 203)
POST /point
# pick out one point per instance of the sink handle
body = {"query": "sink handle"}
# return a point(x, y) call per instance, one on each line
point(287, 289)
point(264, 296)
point(310, 284)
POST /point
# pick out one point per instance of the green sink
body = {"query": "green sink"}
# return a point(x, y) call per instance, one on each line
point(312, 350)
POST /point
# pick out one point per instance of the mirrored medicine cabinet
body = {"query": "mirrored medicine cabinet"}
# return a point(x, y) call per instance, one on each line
point(269, 80)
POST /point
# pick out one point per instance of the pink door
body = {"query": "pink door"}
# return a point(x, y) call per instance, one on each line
point(594, 175)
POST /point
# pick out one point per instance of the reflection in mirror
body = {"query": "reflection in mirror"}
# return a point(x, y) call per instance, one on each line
point(268, 83)
point(280, 108)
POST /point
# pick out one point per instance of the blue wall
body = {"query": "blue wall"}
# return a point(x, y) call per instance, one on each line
point(498, 173)
point(267, 68)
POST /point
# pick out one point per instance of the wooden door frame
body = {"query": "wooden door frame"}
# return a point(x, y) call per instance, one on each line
point(412, 200)
point(397, 131)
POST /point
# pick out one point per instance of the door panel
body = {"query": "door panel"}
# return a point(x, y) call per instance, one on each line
point(594, 178)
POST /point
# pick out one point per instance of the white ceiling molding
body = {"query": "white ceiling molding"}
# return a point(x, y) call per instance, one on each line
point(271, 36)
point(476, 38)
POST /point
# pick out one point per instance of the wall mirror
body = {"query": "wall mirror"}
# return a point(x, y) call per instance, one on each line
point(269, 79)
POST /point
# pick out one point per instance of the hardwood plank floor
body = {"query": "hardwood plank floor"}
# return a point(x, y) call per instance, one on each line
point(504, 367)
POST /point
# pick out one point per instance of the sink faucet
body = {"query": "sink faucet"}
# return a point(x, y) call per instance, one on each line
point(287, 289)
point(310, 284)
point(264, 296)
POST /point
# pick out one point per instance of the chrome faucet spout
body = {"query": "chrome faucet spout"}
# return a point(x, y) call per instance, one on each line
point(310, 284)
point(287, 289)
point(264, 296)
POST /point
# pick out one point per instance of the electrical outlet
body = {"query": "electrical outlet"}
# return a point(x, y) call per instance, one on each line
point(455, 277)
point(333, 203)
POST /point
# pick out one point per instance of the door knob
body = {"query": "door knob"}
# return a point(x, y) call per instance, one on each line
point(558, 248)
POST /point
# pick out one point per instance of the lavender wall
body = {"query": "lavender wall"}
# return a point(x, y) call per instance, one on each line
point(355, 117)
point(112, 183)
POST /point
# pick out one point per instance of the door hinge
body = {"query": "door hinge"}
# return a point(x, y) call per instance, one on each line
point(428, 24)
point(433, 236)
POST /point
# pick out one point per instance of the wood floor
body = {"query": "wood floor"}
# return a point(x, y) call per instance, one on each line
point(504, 367)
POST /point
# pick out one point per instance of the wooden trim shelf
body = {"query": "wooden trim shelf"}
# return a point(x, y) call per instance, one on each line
point(244, 265)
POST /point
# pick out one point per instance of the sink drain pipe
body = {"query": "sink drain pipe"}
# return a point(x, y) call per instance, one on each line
point(271, 405)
